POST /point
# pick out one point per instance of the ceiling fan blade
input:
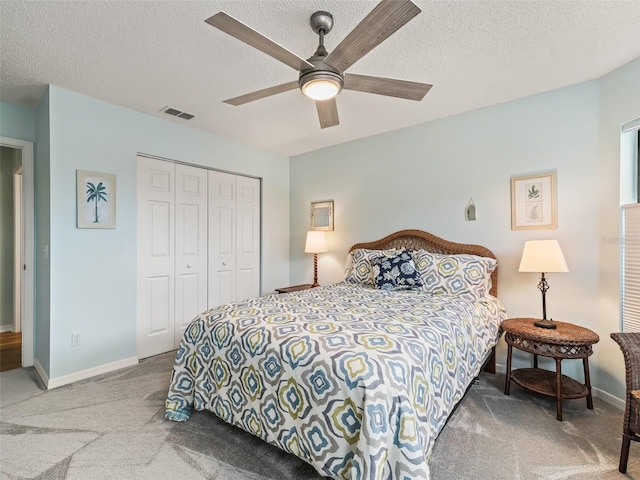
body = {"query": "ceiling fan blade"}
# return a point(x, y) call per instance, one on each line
point(244, 33)
point(383, 21)
point(386, 86)
point(327, 113)
point(266, 92)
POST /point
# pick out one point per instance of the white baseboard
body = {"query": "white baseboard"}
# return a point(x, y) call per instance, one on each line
point(606, 397)
point(41, 373)
point(84, 374)
point(6, 328)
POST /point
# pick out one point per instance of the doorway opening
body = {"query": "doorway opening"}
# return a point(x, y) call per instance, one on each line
point(17, 248)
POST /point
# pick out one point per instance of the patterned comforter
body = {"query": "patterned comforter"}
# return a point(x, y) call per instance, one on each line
point(354, 380)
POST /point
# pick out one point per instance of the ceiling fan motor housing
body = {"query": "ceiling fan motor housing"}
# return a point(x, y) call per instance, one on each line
point(321, 71)
point(321, 23)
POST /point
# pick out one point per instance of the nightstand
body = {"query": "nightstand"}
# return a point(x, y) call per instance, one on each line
point(566, 341)
point(295, 288)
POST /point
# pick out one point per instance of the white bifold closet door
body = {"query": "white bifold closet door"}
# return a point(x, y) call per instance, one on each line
point(191, 246)
point(234, 238)
point(172, 252)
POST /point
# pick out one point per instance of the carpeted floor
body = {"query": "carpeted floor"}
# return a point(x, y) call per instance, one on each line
point(112, 427)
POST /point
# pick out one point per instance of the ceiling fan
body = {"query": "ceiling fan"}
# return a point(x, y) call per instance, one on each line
point(322, 76)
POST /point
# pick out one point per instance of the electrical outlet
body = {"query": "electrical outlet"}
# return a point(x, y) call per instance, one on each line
point(76, 340)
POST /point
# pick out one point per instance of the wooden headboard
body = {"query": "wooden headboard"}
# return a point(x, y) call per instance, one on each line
point(417, 239)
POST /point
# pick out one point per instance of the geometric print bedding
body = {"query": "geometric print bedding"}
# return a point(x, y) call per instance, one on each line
point(354, 380)
point(438, 274)
point(464, 275)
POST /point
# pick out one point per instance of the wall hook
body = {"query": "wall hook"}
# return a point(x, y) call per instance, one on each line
point(470, 211)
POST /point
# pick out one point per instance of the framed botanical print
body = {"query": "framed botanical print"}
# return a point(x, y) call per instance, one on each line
point(533, 202)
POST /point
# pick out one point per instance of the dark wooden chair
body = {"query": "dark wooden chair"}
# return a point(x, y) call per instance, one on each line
point(630, 346)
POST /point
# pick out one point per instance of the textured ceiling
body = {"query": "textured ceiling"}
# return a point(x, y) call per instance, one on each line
point(146, 55)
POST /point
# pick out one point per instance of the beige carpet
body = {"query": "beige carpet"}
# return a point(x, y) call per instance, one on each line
point(112, 427)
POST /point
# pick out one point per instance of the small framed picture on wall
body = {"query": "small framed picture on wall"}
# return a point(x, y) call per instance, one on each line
point(533, 202)
point(96, 199)
point(322, 216)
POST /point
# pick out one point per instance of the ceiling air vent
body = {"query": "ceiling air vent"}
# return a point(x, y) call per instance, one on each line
point(177, 113)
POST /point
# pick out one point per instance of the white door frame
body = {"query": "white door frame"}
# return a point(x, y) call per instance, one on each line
point(18, 248)
point(28, 274)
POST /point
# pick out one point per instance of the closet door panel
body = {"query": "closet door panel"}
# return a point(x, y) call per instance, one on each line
point(191, 246)
point(222, 238)
point(225, 292)
point(248, 237)
point(160, 294)
point(156, 257)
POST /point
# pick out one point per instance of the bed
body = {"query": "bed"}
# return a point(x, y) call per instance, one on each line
point(357, 378)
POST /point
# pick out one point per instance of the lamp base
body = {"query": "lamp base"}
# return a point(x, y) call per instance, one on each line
point(545, 324)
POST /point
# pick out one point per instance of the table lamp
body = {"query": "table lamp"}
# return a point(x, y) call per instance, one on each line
point(316, 243)
point(543, 256)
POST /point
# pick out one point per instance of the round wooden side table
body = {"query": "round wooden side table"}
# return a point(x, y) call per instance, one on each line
point(566, 341)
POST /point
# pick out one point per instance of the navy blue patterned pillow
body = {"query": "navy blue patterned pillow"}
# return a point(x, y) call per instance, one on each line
point(396, 272)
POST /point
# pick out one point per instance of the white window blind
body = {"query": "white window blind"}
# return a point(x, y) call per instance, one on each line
point(631, 268)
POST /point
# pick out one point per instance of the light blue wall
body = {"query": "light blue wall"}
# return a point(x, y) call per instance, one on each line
point(619, 103)
point(78, 132)
point(27, 124)
point(17, 122)
point(93, 272)
point(423, 177)
point(42, 323)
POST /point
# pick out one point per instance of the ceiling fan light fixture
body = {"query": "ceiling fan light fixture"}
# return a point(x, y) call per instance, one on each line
point(321, 85)
point(321, 77)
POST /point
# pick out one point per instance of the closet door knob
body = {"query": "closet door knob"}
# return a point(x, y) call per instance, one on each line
point(224, 264)
point(188, 265)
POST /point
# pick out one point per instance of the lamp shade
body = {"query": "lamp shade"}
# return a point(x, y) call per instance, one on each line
point(542, 256)
point(316, 242)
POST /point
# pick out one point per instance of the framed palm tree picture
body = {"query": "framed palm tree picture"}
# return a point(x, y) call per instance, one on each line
point(96, 199)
